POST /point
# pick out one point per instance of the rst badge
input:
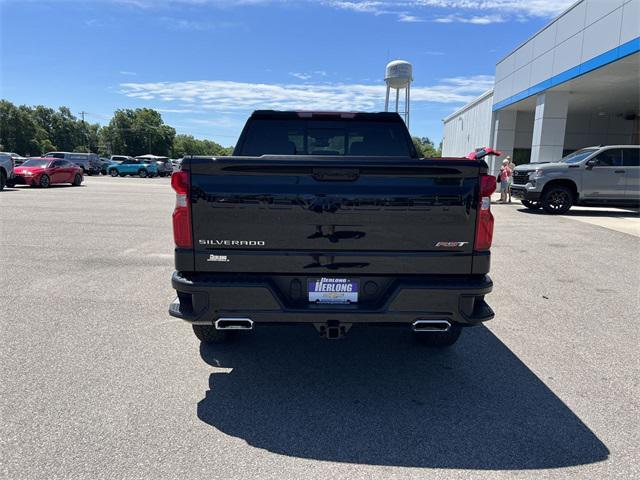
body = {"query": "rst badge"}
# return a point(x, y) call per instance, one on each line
point(451, 244)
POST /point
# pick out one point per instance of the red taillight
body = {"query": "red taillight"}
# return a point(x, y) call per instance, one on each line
point(181, 215)
point(484, 222)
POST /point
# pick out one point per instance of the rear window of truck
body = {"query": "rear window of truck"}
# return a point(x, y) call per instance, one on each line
point(325, 137)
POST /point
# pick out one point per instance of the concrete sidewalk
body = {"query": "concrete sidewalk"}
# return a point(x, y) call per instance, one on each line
point(624, 220)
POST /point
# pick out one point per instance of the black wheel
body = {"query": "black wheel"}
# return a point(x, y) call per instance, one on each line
point(113, 172)
point(103, 172)
point(142, 173)
point(530, 204)
point(77, 180)
point(45, 181)
point(3, 180)
point(209, 334)
point(440, 339)
point(557, 200)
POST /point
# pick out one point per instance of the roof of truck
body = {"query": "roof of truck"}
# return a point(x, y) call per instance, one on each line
point(294, 114)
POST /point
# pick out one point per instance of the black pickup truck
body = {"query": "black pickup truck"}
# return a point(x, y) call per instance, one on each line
point(331, 219)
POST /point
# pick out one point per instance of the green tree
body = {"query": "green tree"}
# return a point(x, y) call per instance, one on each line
point(188, 145)
point(426, 148)
point(18, 132)
point(139, 131)
point(47, 146)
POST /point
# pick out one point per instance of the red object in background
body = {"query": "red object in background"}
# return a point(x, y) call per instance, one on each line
point(483, 152)
point(46, 171)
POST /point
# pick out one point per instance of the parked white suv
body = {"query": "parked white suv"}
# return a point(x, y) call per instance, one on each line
point(6, 170)
point(595, 176)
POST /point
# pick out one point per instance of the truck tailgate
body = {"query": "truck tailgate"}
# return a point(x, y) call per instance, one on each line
point(346, 215)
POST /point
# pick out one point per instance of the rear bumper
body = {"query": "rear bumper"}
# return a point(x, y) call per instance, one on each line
point(203, 298)
point(520, 191)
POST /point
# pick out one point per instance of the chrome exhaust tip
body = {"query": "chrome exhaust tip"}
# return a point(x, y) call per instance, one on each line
point(431, 325)
point(233, 324)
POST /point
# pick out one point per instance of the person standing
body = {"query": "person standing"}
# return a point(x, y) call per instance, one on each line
point(505, 177)
point(512, 167)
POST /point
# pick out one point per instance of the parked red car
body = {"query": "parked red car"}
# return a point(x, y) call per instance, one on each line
point(42, 172)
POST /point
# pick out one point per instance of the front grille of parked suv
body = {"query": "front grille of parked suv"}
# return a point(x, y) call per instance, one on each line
point(520, 178)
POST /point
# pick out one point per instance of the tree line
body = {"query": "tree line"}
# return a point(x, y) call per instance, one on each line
point(28, 130)
point(37, 130)
point(426, 148)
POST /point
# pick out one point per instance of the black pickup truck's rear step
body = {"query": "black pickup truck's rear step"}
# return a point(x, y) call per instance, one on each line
point(401, 300)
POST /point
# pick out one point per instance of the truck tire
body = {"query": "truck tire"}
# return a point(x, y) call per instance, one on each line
point(530, 205)
point(440, 339)
point(209, 335)
point(557, 200)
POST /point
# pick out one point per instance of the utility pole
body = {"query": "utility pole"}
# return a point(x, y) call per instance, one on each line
point(84, 130)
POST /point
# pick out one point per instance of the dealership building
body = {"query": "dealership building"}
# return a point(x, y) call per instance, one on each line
point(574, 84)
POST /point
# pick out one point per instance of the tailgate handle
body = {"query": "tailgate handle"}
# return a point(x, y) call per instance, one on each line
point(336, 174)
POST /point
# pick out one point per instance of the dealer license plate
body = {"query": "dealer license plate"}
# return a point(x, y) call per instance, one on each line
point(333, 290)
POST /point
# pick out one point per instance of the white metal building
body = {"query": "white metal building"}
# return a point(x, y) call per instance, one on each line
point(573, 84)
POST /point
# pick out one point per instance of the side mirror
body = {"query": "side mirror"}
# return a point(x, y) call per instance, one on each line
point(591, 163)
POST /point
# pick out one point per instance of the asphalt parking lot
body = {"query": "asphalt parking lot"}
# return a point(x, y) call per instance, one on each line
point(99, 382)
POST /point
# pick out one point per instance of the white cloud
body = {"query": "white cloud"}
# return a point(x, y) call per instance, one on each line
point(475, 19)
point(414, 10)
point(403, 10)
point(128, 73)
point(301, 76)
point(229, 96)
point(540, 8)
point(367, 6)
point(308, 75)
point(176, 110)
point(404, 17)
point(182, 24)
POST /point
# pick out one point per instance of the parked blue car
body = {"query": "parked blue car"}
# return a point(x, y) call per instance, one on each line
point(133, 166)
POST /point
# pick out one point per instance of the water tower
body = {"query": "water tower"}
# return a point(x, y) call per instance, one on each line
point(399, 75)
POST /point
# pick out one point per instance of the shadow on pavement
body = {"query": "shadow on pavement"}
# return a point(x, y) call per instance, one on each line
point(378, 397)
point(618, 212)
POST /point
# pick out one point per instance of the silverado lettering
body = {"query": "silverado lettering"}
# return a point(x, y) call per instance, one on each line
point(246, 243)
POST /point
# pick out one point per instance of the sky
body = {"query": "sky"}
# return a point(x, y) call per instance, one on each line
point(207, 64)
